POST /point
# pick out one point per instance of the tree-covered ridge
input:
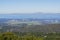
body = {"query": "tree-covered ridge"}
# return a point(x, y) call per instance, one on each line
point(29, 36)
point(8, 36)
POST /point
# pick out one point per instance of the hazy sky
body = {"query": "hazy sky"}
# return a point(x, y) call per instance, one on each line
point(29, 6)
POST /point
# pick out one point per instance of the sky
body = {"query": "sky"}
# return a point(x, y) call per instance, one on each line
point(29, 6)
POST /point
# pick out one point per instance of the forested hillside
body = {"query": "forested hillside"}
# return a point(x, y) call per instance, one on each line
point(29, 36)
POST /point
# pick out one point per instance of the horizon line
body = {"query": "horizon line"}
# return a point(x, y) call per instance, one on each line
point(35, 13)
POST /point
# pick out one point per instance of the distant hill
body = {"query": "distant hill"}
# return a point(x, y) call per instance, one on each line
point(32, 15)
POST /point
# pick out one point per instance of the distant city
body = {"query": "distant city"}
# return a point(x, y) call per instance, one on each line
point(29, 22)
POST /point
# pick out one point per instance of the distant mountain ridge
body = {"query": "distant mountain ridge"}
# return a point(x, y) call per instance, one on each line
point(32, 15)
